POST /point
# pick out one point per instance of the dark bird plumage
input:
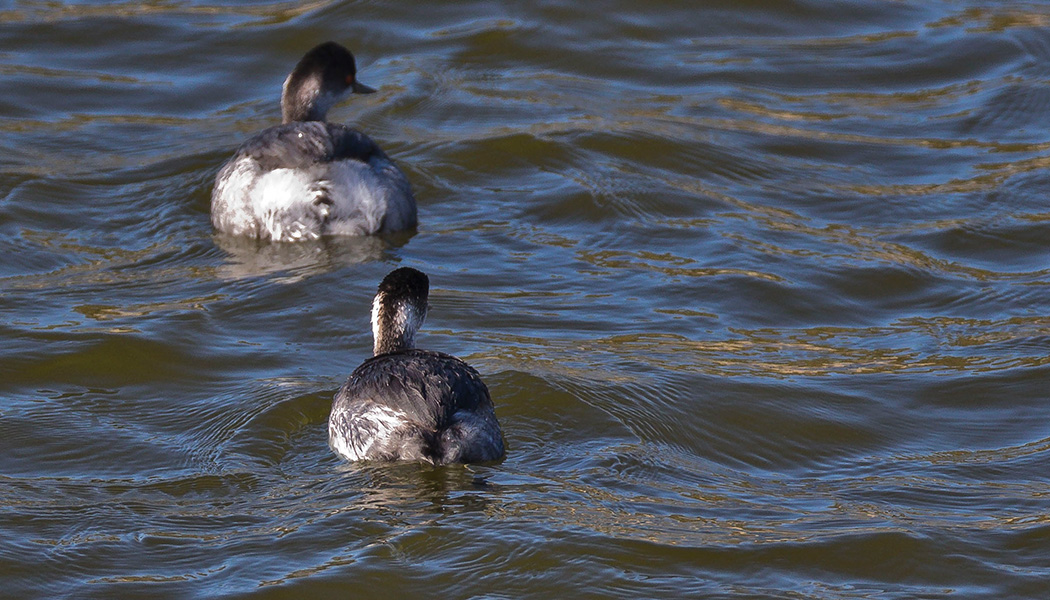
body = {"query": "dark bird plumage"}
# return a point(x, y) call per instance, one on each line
point(306, 177)
point(412, 404)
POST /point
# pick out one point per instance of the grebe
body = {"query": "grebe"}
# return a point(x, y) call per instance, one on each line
point(410, 404)
point(308, 177)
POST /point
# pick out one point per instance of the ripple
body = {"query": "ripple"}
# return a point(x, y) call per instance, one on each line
point(758, 289)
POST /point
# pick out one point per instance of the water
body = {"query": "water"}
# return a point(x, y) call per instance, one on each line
point(760, 290)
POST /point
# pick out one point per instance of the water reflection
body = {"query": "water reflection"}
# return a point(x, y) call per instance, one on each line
point(421, 488)
point(245, 257)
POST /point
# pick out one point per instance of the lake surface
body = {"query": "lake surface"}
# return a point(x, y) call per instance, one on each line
point(761, 291)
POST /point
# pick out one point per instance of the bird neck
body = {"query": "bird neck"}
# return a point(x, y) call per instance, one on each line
point(303, 100)
point(394, 326)
point(390, 341)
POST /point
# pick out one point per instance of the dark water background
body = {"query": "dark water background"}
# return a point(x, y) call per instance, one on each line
point(761, 290)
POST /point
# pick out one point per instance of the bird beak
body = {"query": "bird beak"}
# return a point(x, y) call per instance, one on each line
point(359, 88)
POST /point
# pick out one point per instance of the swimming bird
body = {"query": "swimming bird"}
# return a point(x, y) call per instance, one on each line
point(307, 177)
point(408, 404)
